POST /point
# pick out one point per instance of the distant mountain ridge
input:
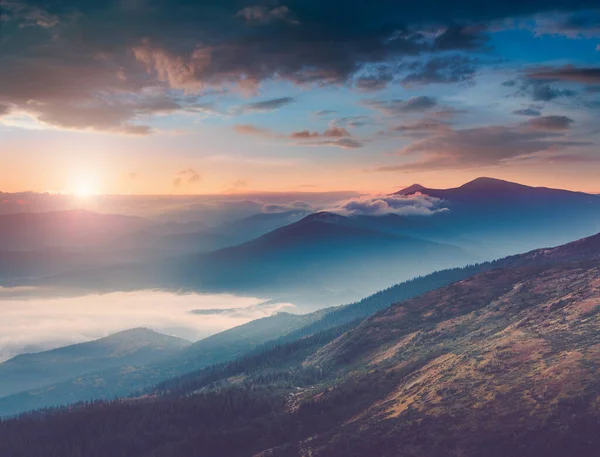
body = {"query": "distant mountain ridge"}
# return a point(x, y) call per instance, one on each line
point(295, 256)
point(324, 250)
point(485, 188)
point(129, 347)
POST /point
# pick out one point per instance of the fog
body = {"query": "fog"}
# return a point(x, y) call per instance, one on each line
point(35, 324)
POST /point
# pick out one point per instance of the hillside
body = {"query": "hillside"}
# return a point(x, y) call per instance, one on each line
point(130, 347)
point(268, 332)
point(504, 362)
point(322, 252)
point(99, 377)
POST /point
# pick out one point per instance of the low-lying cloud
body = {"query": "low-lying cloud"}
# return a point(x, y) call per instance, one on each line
point(403, 205)
point(36, 324)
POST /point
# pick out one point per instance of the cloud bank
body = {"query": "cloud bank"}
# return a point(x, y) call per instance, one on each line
point(36, 324)
point(411, 205)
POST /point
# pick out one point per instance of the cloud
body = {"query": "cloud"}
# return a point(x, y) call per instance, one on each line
point(263, 15)
point(420, 127)
point(109, 78)
point(5, 109)
point(301, 136)
point(412, 205)
point(249, 129)
point(323, 113)
point(187, 176)
point(399, 106)
point(344, 143)
point(581, 24)
point(300, 206)
point(235, 186)
point(481, 147)
point(332, 132)
point(550, 123)
point(28, 15)
point(45, 323)
point(264, 106)
point(375, 79)
point(568, 73)
point(541, 91)
point(62, 97)
point(531, 111)
point(461, 37)
point(352, 121)
point(440, 70)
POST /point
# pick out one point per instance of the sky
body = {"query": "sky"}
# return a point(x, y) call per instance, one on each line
point(231, 96)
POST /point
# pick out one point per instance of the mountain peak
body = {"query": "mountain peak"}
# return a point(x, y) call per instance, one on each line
point(142, 336)
point(324, 216)
point(485, 183)
point(411, 190)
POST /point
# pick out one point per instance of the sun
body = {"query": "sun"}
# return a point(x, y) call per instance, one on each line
point(83, 191)
point(84, 187)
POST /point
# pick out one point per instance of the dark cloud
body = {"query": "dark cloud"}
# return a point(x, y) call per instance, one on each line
point(461, 37)
point(317, 54)
point(344, 143)
point(574, 25)
point(441, 70)
point(447, 112)
point(5, 109)
point(530, 111)
point(265, 105)
point(100, 65)
point(332, 132)
point(324, 113)
point(263, 15)
point(571, 158)
point(550, 123)
point(28, 15)
point(480, 147)
point(569, 73)
point(421, 127)
point(398, 106)
point(541, 91)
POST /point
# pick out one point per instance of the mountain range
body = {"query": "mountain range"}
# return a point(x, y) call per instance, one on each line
point(332, 257)
point(502, 361)
point(108, 382)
